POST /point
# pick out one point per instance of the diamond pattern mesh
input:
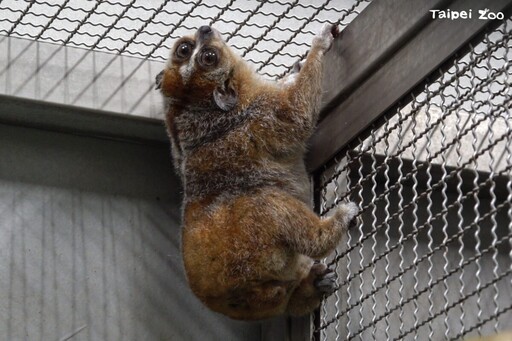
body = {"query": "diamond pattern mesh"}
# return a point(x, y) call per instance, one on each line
point(430, 258)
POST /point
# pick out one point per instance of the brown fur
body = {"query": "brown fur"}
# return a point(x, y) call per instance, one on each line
point(238, 141)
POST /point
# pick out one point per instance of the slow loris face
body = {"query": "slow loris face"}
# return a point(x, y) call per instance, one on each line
point(198, 72)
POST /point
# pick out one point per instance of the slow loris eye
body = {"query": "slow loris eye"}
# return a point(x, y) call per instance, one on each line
point(184, 50)
point(209, 57)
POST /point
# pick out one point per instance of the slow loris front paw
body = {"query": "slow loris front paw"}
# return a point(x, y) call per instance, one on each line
point(326, 36)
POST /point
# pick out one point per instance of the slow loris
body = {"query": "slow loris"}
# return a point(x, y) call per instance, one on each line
point(250, 241)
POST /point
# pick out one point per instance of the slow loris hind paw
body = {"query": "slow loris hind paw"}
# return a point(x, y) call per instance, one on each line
point(346, 214)
point(325, 282)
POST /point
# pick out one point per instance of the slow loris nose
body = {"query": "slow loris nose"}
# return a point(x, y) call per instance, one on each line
point(205, 32)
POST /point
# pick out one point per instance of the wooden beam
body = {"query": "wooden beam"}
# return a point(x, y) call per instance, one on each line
point(80, 121)
point(361, 101)
point(372, 37)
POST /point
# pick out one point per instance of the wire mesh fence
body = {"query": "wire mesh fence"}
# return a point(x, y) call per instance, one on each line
point(431, 257)
point(105, 54)
point(271, 34)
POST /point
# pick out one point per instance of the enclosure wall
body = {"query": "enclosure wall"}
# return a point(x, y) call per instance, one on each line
point(89, 243)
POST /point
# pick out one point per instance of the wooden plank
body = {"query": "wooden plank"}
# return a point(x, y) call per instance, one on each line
point(80, 121)
point(364, 46)
point(424, 53)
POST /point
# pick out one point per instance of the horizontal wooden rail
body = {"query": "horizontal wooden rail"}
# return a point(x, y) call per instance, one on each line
point(80, 121)
point(381, 56)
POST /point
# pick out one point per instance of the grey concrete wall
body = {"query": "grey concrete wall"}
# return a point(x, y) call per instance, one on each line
point(89, 243)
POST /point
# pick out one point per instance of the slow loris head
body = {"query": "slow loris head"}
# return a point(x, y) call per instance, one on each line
point(199, 72)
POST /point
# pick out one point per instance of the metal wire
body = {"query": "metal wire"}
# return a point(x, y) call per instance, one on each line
point(431, 257)
point(271, 34)
point(105, 54)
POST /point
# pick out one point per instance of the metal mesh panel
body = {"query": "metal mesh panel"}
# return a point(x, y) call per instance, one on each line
point(430, 258)
point(271, 34)
point(105, 54)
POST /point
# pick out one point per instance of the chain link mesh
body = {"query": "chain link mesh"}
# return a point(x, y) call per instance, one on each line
point(271, 34)
point(431, 257)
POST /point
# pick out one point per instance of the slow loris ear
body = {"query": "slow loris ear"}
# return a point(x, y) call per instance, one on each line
point(225, 95)
point(158, 80)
